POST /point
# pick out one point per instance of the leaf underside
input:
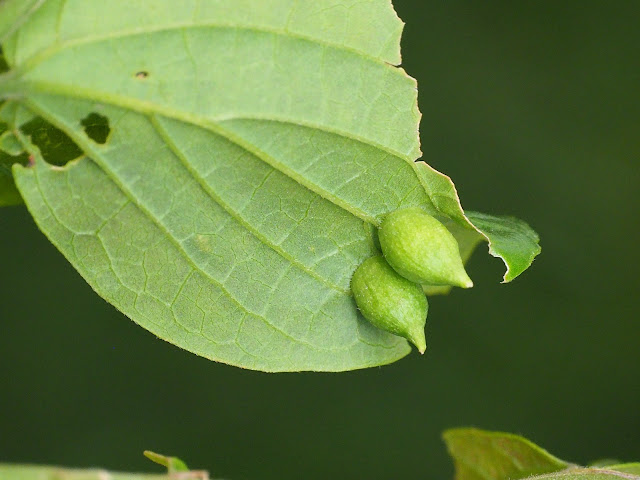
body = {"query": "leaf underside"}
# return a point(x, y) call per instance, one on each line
point(252, 149)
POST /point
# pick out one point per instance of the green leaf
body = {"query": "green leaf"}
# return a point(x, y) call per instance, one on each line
point(234, 160)
point(511, 239)
point(33, 472)
point(482, 455)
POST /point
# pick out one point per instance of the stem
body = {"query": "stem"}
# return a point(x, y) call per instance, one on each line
point(35, 472)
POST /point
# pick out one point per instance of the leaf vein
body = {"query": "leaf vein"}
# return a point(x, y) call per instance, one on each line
point(235, 215)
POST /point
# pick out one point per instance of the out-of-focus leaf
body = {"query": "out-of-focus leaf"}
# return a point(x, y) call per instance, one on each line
point(33, 472)
point(482, 455)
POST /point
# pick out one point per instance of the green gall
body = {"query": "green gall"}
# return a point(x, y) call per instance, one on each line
point(421, 249)
point(390, 301)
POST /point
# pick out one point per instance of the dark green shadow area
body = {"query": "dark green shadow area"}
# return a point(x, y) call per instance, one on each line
point(96, 127)
point(55, 146)
point(3, 63)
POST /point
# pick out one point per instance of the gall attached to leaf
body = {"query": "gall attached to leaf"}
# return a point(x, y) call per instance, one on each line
point(421, 249)
point(390, 301)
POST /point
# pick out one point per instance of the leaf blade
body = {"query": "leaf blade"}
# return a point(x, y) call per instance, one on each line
point(286, 141)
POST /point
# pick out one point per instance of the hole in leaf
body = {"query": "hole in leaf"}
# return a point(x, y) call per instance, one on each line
point(4, 67)
point(142, 75)
point(96, 127)
point(9, 194)
point(10, 150)
point(6, 160)
point(55, 145)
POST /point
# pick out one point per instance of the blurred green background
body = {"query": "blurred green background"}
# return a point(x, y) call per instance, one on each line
point(533, 108)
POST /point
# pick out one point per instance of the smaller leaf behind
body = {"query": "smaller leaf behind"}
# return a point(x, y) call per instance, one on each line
point(509, 238)
point(482, 455)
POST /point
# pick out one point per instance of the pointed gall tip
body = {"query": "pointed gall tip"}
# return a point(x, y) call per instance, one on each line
point(418, 339)
point(463, 280)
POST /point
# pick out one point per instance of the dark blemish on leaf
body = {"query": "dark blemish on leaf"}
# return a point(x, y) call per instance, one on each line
point(96, 127)
point(31, 162)
point(142, 75)
point(56, 147)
